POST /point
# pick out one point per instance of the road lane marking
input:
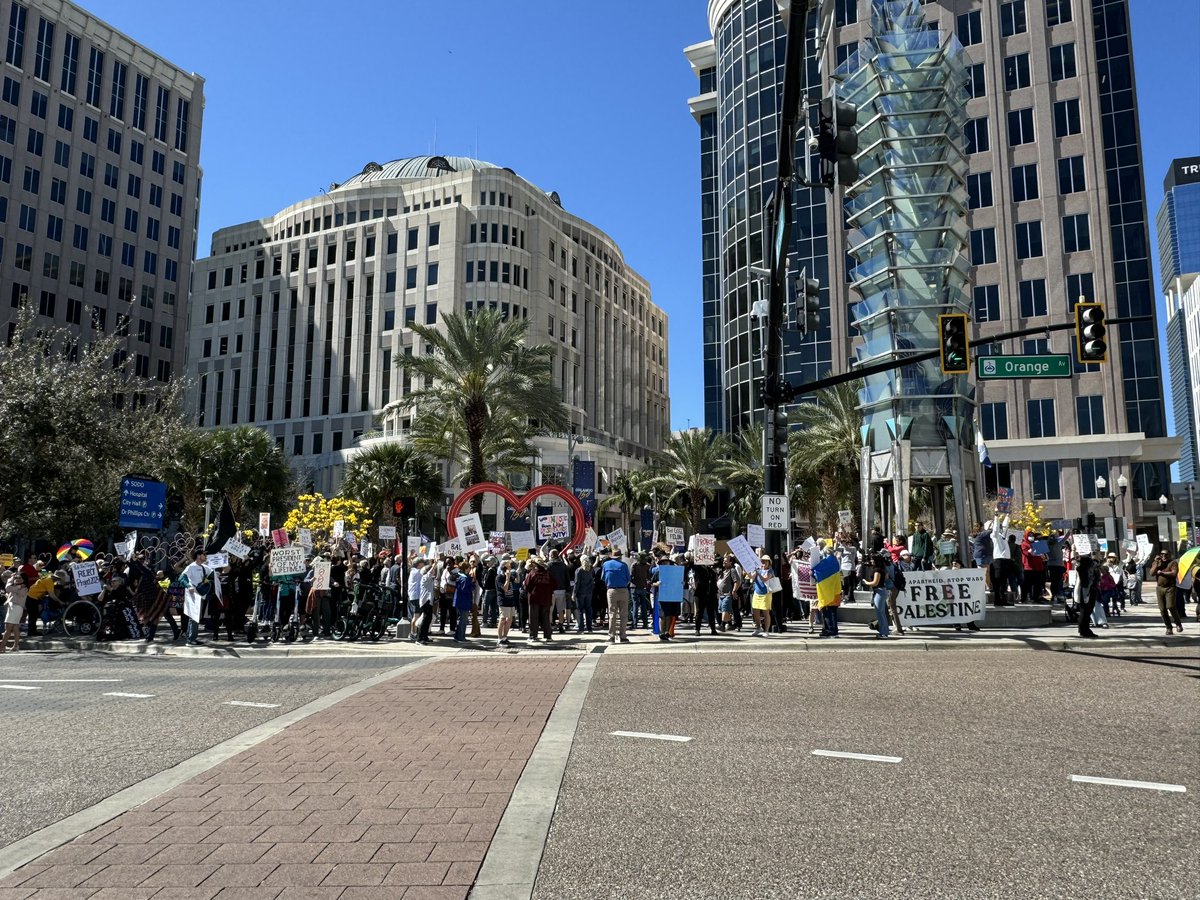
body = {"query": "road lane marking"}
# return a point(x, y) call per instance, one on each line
point(248, 703)
point(1121, 782)
point(678, 738)
point(20, 687)
point(134, 696)
point(61, 680)
point(869, 757)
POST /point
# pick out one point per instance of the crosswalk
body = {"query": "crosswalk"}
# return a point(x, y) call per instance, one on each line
point(39, 684)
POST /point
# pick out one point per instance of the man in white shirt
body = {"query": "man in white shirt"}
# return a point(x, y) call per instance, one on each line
point(1002, 561)
point(416, 576)
point(199, 581)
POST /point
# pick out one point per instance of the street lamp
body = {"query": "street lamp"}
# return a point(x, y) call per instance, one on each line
point(1122, 485)
point(1163, 502)
point(209, 493)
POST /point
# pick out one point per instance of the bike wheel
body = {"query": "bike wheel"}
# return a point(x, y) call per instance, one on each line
point(339, 628)
point(352, 630)
point(289, 633)
point(81, 619)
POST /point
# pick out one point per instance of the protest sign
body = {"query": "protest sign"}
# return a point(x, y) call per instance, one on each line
point(740, 548)
point(217, 560)
point(350, 539)
point(670, 584)
point(387, 533)
point(234, 547)
point(304, 538)
point(452, 547)
point(280, 537)
point(756, 535)
point(706, 550)
point(131, 542)
point(497, 542)
point(367, 549)
point(948, 548)
point(521, 540)
point(123, 549)
point(7, 559)
point(470, 532)
point(320, 580)
point(287, 561)
point(674, 536)
point(87, 578)
point(617, 539)
point(942, 597)
point(414, 545)
point(339, 528)
point(522, 554)
point(1004, 498)
point(1085, 543)
point(845, 520)
point(1144, 547)
point(553, 527)
point(264, 524)
point(1041, 548)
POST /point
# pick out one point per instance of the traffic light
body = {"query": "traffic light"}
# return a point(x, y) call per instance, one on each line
point(952, 334)
point(837, 141)
point(404, 506)
point(808, 304)
point(1090, 340)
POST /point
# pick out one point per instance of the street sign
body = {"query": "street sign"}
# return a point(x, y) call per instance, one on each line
point(1055, 365)
point(776, 516)
point(143, 503)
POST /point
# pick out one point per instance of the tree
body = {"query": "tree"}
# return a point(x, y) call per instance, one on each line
point(629, 492)
point(73, 421)
point(744, 473)
point(486, 388)
point(828, 448)
point(318, 514)
point(691, 468)
point(384, 472)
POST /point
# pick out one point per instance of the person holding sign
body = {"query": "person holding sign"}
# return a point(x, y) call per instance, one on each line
point(199, 581)
point(760, 602)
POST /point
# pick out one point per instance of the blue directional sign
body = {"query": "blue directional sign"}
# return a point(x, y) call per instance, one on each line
point(143, 503)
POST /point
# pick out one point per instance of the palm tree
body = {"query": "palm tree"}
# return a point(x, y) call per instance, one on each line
point(744, 474)
point(487, 386)
point(629, 492)
point(243, 462)
point(386, 471)
point(829, 449)
point(691, 468)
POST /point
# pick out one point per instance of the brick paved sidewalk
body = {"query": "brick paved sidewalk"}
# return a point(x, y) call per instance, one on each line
point(393, 793)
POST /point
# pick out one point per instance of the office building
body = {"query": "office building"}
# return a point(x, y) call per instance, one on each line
point(99, 160)
point(1056, 212)
point(1179, 277)
point(298, 319)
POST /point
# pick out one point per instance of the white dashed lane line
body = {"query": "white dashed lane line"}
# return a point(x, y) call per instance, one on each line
point(61, 680)
point(867, 757)
point(248, 703)
point(19, 687)
point(132, 696)
point(1122, 782)
point(678, 738)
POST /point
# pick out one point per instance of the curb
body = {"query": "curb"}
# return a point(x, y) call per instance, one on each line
point(42, 841)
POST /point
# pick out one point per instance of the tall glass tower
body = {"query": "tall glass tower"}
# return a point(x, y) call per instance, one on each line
point(1179, 273)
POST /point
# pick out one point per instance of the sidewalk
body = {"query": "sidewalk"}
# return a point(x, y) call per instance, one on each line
point(395, 792)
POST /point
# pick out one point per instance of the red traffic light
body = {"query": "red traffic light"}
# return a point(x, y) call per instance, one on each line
point(404, 506)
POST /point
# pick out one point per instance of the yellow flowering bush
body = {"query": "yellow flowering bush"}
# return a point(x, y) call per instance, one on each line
point(318, 513)
point(1030, 516)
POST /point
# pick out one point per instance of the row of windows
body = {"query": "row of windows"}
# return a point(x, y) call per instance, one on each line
point(1021, 126)
point(1014, 19)
point(496, 233)
point(1047, 478)
point(497, 272)
point(1076, 238)
point(1040, 414)
point(1025, 185)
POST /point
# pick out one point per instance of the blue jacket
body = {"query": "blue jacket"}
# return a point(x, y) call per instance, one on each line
point(615, 574)
point(464, 593)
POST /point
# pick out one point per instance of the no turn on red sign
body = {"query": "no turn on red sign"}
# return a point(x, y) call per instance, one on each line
point(776, 512)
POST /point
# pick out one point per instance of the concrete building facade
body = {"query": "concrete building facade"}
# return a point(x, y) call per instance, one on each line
point(299, 319)
point(99, 161)
point(1056, 212)
point(1179, 274)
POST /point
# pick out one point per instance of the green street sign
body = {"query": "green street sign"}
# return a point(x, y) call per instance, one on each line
point(1056, 365)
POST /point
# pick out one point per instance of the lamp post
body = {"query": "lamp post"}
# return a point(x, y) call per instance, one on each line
point(208, 498)
point(1191, 489)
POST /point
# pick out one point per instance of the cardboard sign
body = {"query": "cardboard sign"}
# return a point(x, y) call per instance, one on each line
point(523, 540)
point(617, 539)
point(123, 549)
point(217, 560)
point(942, 597)
point(845, 520)
point(387, 533)
point(756, 535)
point(741, 549)
point(452, 547)
point(670, 584)
point(1145, 548)
point(264, 524)
point(554, 527)
point(1004, 498)
point(1085, 543)
point(706, 550)
point(279, 537)
point(320, 580)
point(287, 561)
point(7, 559)
point(522, 554)
point(414, 545)
point(470, 532)
point(87, 579)
point(304, 538)
point(339, 528)
point(674, 536)
point(234, 547)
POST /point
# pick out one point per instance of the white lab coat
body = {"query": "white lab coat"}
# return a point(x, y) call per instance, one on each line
point(193, 603)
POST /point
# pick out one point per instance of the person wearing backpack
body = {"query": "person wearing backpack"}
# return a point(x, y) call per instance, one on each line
point(199, 582)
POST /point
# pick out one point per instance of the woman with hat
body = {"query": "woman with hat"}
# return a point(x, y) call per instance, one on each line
point(540, 587)
point(17, 592)
point(760, 601)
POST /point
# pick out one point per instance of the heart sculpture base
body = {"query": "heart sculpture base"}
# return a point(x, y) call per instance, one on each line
point(524, 500)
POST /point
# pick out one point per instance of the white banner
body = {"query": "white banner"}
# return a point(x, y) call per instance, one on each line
point(287, 561)
point(339, 528)
point(217, 560)
point(525, 539)
point(617, 539)
point(756, 535)
point(304, 538)
point(387, 533)
point(740, 547)
point(942, 597)
point(706, 550)
point(234, 547)
point(674, 536)
point(470, 532)
point(87, 578)
point(320, 580)
point(414, 544)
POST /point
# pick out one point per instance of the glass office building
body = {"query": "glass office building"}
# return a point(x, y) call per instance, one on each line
point(1179, 273)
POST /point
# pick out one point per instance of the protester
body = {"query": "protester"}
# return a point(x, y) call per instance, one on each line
point(616, 577)
point(1033, 563)
point(464, 598)
point(1086, 593)
point(877, 583)
point(489, 595)
point(540, 587)
point(727, 580)
point(704, 585)
point(17, 593)
point(640, 592)
point(416, 574)
point(581, 590)
point(558, 571)
point(199, 582)
point(921, 548)
point(760, 603)
point(507, 586)
point(1164, 571)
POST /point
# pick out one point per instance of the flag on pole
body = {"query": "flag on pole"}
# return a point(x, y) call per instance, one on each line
point(982, 448)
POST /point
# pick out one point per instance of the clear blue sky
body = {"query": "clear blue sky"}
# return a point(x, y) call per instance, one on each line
point(587, 99)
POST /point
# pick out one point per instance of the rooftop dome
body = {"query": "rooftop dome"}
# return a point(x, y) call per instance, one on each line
point(415, 168)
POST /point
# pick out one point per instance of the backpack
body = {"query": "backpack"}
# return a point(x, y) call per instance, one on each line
point(1106, 581)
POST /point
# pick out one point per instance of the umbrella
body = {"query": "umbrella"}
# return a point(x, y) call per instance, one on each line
point(1186, 562)
point(63, 552)
point(80, 547)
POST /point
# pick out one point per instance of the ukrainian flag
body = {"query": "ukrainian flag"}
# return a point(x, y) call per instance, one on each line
point(828, 575)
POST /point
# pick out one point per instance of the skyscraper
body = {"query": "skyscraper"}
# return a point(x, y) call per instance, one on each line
point(1179, 273)
point(1056, 212)
point(99, 157)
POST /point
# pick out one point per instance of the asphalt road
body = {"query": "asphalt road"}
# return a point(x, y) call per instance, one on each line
point(67, 744)
point(981, 805)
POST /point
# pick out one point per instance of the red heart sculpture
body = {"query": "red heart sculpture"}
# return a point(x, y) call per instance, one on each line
point(491, 487)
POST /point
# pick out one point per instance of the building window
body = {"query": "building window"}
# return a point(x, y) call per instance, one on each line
point(979, 190)
point(993, 421)
point(1025, 182)
point(1012, 18)
point(182, 112)
point(1071, 178)
point(1079, 287)
point(1016, 71)
point(412, 239)
point(16, 35)
point(1047, 480)
point(162, 103)
point(1089, 471)
point(1042, 423)
point(45, 46)
point(1062, 62)
point(1035, 347)
point(431, 275)
point(435, 234)
point(1058, 12)
point(1077, 235)
point(998, 476)
point(1066, 117)
point(976, 81)
point(970, 28)
point(983, 246)
point(1020, 126)
point(977, 136)
point(1089, 413)
point(430, 313)
point(987, 303)
point(116, 100)
point(410, 278)
point(846, 12)
point(95, 77)
point(1029, 240)
point(1033, 298)
point(70, 64)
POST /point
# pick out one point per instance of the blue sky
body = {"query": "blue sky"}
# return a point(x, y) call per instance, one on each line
point(587, 99)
